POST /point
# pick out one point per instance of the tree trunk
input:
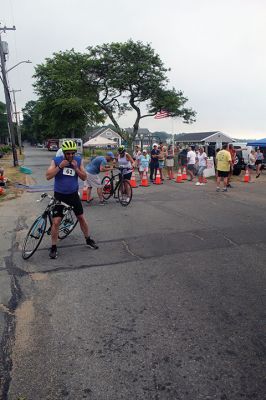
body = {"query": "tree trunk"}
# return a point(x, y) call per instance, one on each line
point(136, 123)
point(110, 115)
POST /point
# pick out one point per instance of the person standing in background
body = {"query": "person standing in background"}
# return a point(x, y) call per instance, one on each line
point(154, 164)
point(191, 161)
point(233, 159)
point(169, 162)
point(202, 162)
point(136, 155)
point(258, 163)
point(161, 160)
point(144, 161)
point(251, 164)
point(224, 163)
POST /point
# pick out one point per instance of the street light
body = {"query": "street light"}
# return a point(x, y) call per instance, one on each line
point(8, 103)
point(3, 54)
point(21, 62)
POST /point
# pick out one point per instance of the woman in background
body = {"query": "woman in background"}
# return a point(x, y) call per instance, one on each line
point(169, 162)
point(144, 160)
point(258, 162)
point(251, 164)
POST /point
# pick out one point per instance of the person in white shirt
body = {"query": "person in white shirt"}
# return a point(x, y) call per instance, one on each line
point(59, 153)
point(191, 161)
point(202, 161)
point(251, 164)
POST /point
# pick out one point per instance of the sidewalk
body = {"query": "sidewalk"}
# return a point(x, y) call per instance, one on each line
point(9, 289)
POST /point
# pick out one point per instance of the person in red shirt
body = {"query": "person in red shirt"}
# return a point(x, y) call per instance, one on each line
point(233, 157)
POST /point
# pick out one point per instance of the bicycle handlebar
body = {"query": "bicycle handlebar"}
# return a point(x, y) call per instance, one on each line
point(44, 195)
point(121, 168)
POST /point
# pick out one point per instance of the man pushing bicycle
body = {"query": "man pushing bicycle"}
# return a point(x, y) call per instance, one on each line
point(66, 170)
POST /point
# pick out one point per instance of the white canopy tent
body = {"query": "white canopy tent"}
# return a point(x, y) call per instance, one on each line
point(99, 142)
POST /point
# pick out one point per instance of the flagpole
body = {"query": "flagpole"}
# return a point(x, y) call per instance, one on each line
point(173, 135)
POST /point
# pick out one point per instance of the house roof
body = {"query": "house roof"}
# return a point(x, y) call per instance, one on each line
point(143, 131)
point(97, 131)
point(195, 136)
point(199, 136)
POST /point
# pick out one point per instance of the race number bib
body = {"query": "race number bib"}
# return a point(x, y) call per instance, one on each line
point(69, 171)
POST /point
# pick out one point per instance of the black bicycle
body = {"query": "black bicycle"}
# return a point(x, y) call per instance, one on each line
point(38, 228)
point(120, 189)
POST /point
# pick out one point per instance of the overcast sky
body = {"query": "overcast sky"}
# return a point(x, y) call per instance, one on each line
point(216, 50)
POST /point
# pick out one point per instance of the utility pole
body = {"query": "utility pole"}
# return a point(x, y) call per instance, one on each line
point(7, 97)
point(17, 119)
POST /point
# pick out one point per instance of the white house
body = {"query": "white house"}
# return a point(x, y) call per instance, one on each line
point(105, 132)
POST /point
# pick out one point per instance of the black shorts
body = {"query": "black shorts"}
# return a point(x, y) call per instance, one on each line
point(128, 176)
point(258, 162)
point(191, 167)
point(223, 174)
point(253, 167)
point(72, 199)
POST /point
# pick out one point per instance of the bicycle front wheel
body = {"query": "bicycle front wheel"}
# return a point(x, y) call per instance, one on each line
point(34, 237)
point(68, 224)
point(124, 193)
point(107, 187)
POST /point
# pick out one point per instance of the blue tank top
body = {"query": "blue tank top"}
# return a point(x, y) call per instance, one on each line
point(66, 180)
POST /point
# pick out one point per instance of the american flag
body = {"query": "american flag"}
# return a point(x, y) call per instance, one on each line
point(162, 114)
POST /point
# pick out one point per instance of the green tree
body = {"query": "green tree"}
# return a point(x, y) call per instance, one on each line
point(107, 81)
point(3, 124)
point(126, 76)
point(65, 105)
point(33, 126)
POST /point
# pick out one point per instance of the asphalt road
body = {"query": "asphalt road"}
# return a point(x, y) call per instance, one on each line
point(171, 306)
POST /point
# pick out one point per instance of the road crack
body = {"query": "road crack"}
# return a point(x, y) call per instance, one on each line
point(130, 251)
point(8, 337)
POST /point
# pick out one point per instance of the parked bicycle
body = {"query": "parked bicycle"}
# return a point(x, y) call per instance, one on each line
point(38, 228)
point(120, 189)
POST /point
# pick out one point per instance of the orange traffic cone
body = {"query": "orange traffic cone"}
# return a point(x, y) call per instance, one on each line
point(2, 191)
point(179, 176)
point(246, 176)
point(133, 182)
point(144, 180)
point(84, 195)
point(184, 174)
point(158, 178)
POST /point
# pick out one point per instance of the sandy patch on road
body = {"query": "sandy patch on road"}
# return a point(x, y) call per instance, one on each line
point(24, 317)
point(38, 276)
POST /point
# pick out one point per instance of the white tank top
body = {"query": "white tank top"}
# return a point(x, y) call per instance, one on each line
point(123, 162)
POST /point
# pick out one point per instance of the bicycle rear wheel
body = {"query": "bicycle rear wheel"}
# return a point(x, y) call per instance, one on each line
point(107, 187)
point(34, 237)
point(124, 193)
point(68, 224)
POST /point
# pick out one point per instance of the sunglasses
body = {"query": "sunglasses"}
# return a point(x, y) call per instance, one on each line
point(68, 153)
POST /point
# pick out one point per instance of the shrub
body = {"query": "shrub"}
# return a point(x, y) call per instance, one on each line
point(5, 149)
point(94, 152)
